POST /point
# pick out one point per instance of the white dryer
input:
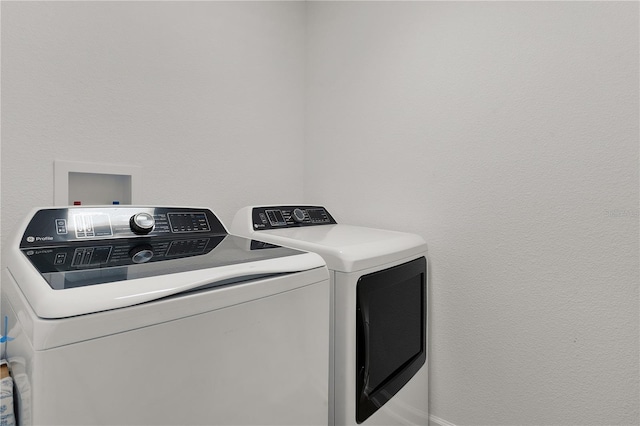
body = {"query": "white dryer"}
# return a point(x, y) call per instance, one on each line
point(155, 315)
point(379, 345)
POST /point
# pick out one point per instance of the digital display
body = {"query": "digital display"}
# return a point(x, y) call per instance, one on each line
point(90, 256)
point(275, 217)
point(92, 225)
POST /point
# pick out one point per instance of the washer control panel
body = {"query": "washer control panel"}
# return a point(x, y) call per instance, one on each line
point(62, 225)
point(276, 217)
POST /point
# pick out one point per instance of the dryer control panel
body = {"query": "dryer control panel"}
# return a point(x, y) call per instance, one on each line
point(276, 217)
point(56, 226)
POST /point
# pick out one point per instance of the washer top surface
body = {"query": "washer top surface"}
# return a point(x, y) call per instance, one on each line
point(75, 261)
point(345, 248)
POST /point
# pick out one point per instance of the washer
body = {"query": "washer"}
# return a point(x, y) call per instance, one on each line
point(155, 315)
point(379, 368)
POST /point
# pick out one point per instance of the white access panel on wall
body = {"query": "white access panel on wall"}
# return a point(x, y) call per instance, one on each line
point(95, 184)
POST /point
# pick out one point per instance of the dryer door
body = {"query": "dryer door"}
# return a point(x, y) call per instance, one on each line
point(390, 332)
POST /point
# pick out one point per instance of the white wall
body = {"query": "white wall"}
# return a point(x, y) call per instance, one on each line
point(505, 133)
point(208, 97)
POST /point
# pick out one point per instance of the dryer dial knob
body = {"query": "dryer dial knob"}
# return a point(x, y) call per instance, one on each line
point(142, 223)
point(298, 215)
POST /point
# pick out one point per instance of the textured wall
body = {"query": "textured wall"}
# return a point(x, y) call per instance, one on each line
point(505, 133)
point(208, 97)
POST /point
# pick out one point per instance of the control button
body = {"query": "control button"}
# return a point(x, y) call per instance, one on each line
point(298, 215)
point(61, 226)
point(142, 223)
point(60, 258)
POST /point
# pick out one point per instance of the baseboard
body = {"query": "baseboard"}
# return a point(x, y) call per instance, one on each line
point(437, 421)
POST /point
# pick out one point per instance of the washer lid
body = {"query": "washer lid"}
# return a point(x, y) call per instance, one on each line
point(83, 265)
point(108, 278)
point(73, 273)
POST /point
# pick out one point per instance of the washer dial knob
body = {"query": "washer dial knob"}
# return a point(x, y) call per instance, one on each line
point(298, 215)
point(142, 223)
point(141, 254)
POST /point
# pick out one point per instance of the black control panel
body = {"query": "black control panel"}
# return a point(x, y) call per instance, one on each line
point(276, 217)
point(51, 227)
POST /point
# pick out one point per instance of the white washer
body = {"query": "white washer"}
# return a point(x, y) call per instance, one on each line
point(379, 366)
point(155, 315)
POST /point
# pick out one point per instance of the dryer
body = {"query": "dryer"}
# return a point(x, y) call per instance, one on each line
point(379, 310)
point(155, 315)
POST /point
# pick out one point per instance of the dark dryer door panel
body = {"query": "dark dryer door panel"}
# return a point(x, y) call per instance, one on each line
point(391, 333)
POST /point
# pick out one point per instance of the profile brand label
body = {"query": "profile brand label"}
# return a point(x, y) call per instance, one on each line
point(31, 239)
